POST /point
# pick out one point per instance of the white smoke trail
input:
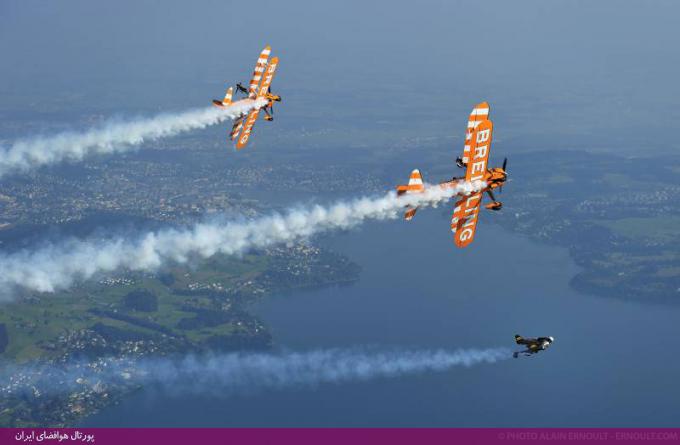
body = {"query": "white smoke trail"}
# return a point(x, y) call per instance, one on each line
point(58, 266)
point(233, 371)
point(238, 372)
point(31, 153)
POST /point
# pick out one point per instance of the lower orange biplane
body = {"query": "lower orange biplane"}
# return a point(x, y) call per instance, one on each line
point(259, 88)
point(475, 159)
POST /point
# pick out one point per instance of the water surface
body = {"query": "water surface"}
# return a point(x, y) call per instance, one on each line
point(612, 364)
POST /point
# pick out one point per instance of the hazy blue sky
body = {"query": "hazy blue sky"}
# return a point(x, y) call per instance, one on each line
point(604, 70)
point(559, 74)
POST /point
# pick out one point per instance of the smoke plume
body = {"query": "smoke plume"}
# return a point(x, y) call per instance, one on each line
point(58, 266)
point(240, 372)
point(27, 154)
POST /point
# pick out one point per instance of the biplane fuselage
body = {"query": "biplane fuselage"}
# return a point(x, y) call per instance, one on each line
point(227, 105)
point(259, 89)
point(475, 160)
point(493, 177)
point(273, 97)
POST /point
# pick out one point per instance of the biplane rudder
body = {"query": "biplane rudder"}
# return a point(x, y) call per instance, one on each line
point(227, 99)
point(415, 184)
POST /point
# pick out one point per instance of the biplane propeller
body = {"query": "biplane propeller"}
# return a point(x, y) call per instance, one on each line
point(505, 170)
point(269, 109)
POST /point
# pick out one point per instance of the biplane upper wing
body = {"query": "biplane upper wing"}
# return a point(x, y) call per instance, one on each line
point(268, 77)
point(476, 156)
point(257, 73)
point(479, 145)
point(479, 113)
point(247, 129)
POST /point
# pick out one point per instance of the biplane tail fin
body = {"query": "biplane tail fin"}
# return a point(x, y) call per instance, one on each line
point(227, 99)
point(519, 339)
point(228, 96)
point(415, 185)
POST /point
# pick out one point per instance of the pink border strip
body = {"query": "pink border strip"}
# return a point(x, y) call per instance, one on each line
point(336, 436)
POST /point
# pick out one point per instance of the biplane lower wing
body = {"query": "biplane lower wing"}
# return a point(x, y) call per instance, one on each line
point(464, 219)
point(242, 140)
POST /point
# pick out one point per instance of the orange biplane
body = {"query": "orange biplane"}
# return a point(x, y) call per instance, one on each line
point(475, 159)
point(259, 88)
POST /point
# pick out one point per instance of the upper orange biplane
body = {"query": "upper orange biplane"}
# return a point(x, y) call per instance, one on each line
point(260, 88)
point(475, 161)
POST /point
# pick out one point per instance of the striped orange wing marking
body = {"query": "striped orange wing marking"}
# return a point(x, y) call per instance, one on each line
point(464, 219)
point(480, 146)
point(257, 73)
point(247, 129)
point(268, 77)
point(479, 113)
point(238, 124)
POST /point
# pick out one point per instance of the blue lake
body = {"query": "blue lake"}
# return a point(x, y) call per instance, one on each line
point(613, 363)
